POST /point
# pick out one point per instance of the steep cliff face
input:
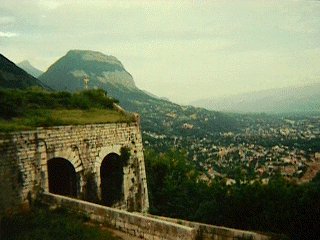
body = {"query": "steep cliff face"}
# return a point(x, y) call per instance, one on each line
point(103, 71)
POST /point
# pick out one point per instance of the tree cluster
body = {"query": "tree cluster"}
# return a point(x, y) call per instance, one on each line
point(283, 207)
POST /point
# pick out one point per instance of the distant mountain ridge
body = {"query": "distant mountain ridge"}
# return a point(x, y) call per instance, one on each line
point(281, 100)
point(11, 76)
point(26, 65)
point(103, 71)
point(108, 73)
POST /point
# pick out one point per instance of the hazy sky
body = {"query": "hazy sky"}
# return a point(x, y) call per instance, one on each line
point(183, 50)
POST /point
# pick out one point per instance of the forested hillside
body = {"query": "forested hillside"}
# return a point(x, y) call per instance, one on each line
point(176, 190)
point(11, 76)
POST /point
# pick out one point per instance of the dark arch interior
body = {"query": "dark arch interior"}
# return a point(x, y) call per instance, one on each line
point(111, 174)
point(62, 177)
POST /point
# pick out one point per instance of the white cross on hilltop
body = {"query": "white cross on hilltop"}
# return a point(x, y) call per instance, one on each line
point(86, 81)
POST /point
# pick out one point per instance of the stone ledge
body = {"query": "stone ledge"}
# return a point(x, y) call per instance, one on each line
point(208, 232)
point(138, 225)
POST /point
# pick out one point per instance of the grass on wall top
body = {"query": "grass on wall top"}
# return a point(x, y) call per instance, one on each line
point(28, 109)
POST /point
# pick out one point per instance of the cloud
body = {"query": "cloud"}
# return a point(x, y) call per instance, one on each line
point(5, 20)
point(302, 17)
point(8, 34)
point(204, 48)
point(50, 5)
point(299, 25)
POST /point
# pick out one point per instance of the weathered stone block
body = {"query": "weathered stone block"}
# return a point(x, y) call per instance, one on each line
point(83, 146)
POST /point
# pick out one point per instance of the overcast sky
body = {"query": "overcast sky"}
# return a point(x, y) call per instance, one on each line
point(183, 50)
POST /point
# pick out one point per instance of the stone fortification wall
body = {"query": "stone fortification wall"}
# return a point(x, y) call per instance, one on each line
point(208, 232)
point(131, 223)
point(24, 157)
point(150, 226)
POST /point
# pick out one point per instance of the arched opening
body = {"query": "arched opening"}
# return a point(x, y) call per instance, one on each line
point(111, 174)
point(62, 177)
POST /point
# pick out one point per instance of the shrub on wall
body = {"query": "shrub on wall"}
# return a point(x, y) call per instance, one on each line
point(125, 155)
point(90, 188)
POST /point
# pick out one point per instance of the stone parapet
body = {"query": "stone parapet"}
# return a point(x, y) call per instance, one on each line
point(134, 224)
point(152, 227)
point(209, 232)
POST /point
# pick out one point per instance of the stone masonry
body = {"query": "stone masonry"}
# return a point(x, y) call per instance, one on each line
point(24, 156)
point(150, 227)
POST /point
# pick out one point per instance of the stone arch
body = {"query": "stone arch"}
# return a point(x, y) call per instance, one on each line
point(62, 178)
point(111, 178)
point(69, 155)
point(104, 152)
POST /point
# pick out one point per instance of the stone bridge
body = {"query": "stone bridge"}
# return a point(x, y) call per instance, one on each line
point(101, 163)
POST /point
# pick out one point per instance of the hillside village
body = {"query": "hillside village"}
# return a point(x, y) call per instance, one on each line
point(266, 146)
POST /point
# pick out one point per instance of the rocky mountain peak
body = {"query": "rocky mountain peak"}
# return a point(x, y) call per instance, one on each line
point(103, 71)
point(95, 56)
point(27, 66)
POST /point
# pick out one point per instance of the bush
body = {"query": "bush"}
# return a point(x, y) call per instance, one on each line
point(125, 155)
point(17, 103)
point(12, 104)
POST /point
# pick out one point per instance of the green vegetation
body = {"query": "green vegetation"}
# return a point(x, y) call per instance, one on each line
point(49, 225)
point(175, 190)
point(90, 190)
point(27, 109)
point(125, 155)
